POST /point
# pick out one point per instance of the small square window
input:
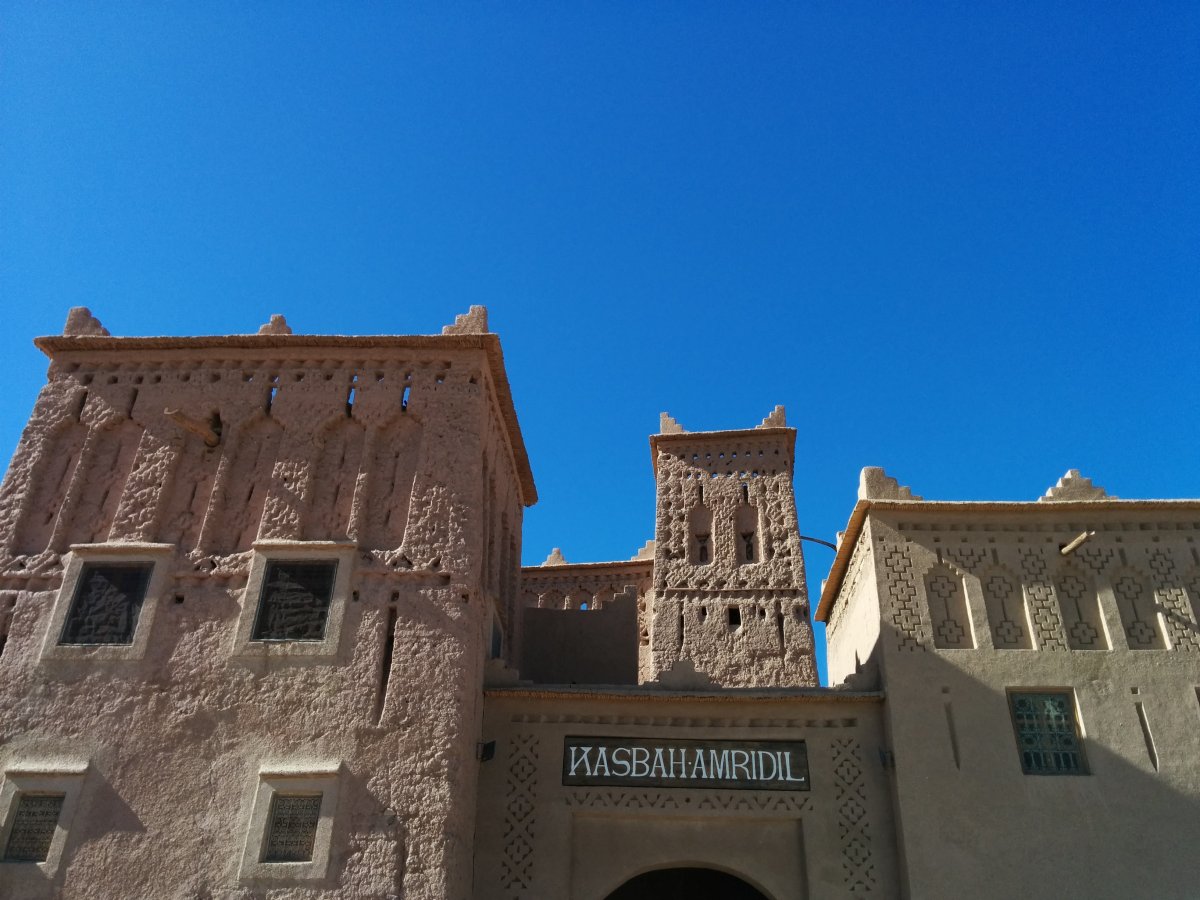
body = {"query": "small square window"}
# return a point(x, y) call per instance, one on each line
point(292, 828)
point(1047, 733)
point(106, 603)
point(33, 826)
point(291, 823)
point(295, 599)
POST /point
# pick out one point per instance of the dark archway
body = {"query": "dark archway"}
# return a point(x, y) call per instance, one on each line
point(686, 884)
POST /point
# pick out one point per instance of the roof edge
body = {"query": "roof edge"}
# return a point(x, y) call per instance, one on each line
point(837, 570)
point(55, 345)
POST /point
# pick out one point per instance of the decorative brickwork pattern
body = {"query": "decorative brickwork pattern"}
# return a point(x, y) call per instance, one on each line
point(1173, 597)
point(966, 557)
point(1096, 556)
point(1005, 603)
point(854, 830)
point(1080, 608)
point(1046, 621)
point(1135, 602)
point(1033, 564)
point(520, 820)
point(1039, 592)
point(948, 610)
point(902, 601)
point(731, 801)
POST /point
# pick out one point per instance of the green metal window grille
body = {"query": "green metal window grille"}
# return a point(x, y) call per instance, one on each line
point(33, 827)
point(1047, 734)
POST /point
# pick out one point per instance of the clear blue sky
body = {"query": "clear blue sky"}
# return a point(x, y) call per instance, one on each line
point(956, 240)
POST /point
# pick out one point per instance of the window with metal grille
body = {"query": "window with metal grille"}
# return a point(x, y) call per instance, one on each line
point(1047, 732)
point(33, 826)
point(108, 598)
point(292, 828)
point(294, 604)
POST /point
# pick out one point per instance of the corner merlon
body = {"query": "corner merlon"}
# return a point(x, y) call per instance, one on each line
point(1074, 486)
point(667, 425)
point(875, 484)
point(474, 321)
point(777, 418)
point(276, 325)
point(80, 321)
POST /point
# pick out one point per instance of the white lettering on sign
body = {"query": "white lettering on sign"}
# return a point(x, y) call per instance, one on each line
point(742, 765)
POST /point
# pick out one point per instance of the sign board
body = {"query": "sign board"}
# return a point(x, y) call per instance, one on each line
point(649, 762)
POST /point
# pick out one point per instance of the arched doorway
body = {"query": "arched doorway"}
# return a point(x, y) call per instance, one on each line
point(686, 884)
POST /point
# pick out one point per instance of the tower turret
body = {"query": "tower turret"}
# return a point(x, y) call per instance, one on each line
point(729, 594)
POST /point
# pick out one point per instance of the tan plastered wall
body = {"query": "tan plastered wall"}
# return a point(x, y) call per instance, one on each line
point(1129, 828)
point(539, 839)
point(177, 736)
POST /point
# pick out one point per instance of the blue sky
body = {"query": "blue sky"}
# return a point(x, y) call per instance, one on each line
point(960, 241)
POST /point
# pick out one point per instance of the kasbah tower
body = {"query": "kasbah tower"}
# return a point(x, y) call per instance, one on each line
point(265, 634)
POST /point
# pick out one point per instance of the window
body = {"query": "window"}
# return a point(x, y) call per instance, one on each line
point(292, 828)
point(107, 600)
point(1047, 732)
point(105, 607)
point(38, 800)
point(32, 831)
point(295, 599)
point(294, 602)
point(291, 825)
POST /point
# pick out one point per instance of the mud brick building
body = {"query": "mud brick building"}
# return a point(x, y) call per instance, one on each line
point(264, 633)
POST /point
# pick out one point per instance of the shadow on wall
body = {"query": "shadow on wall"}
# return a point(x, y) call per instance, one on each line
point(571, 646)
point(965, 809)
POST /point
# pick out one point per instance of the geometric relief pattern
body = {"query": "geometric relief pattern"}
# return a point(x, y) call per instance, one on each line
point(1045, 617)
point(738, 801)
point(1006, 612)
point(1044, 612)
point(854, 831)
point(948, 610)
point(1139, 616)
point(1095, 556)
point(902, 592)
point(516, 868)
point(1080, 606)
point(1180, 617)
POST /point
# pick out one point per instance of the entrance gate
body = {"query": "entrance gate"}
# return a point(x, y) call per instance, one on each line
point(686, 884)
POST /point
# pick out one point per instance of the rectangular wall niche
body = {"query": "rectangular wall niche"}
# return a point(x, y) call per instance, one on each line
point(948, 610)
point(33, 826)
point(106, 604)
point(295, 599)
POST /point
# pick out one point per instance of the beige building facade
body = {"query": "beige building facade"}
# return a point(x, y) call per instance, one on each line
point(264, 633)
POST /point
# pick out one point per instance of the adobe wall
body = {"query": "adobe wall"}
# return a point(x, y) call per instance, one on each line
point(742, 621)
point(583, 646)
point(558, 585)
point(540, 838)
point(971, 603)
point(396, 448)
